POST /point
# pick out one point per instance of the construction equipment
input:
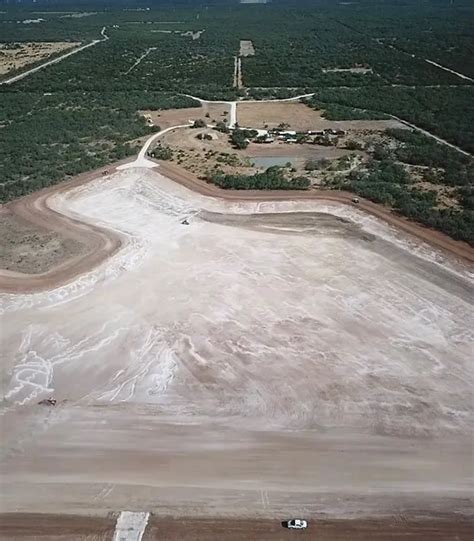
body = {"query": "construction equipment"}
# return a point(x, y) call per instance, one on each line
point(51, 401)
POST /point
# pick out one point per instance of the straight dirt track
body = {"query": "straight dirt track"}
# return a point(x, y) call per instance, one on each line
point(23, 527)
point(102, 243)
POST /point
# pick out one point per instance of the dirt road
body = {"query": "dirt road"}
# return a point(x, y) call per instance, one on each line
point(21, 527)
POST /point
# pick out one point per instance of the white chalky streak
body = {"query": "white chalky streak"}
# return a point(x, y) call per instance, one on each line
point(130, 526)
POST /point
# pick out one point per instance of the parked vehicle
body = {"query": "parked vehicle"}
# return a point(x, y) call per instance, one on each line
point(296, 524)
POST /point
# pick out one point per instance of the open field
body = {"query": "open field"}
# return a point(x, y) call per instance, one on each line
point(176, 117)
point(322, 371)
point(14, 56)
point(300, 117)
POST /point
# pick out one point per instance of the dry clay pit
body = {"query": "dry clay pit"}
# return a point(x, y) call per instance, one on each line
point(270, 357)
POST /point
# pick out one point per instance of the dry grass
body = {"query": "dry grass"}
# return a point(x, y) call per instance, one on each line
point(299, 117)
point(23, 54)
point(176, 117)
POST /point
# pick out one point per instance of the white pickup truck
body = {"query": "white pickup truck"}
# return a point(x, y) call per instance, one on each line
point(296, 524)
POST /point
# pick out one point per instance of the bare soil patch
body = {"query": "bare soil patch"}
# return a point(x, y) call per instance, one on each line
point(174, 117)
point(14, 56)
point(246, 48)
point(35, 210)
point(22, 527)
point(437, 239)
point(30, 249)
point(299, 117)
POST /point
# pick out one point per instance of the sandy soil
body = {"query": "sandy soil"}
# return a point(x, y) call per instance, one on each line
point(273, 358)
point(300, 117)
point(35, 211)
point(176, 117)
point(94, 243)
point(20, 527)
point(246, 48)
point(27, 53)
point(26, 248)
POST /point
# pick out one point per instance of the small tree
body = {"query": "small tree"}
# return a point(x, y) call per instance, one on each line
point(222, 127)
point(199, 123)
point(239, 139)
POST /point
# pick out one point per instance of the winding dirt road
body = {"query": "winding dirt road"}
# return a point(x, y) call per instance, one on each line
point(36, 209)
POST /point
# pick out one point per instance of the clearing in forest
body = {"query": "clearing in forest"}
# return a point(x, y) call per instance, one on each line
point(14, 56)
point(298, 116)
point(246, 48)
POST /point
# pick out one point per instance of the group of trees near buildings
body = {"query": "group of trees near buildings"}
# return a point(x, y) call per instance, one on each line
point(444, 111)
point(271, 179)
point(387, 181)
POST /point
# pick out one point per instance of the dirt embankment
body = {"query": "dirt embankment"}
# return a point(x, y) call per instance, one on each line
point(29, 249)
point(95, 244)
point(438, 240)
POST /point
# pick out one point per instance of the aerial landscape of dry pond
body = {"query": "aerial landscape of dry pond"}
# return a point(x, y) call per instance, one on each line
point(228, 301)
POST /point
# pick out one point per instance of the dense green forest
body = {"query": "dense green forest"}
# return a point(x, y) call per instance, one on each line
point(363, 60)
point(46, 138)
